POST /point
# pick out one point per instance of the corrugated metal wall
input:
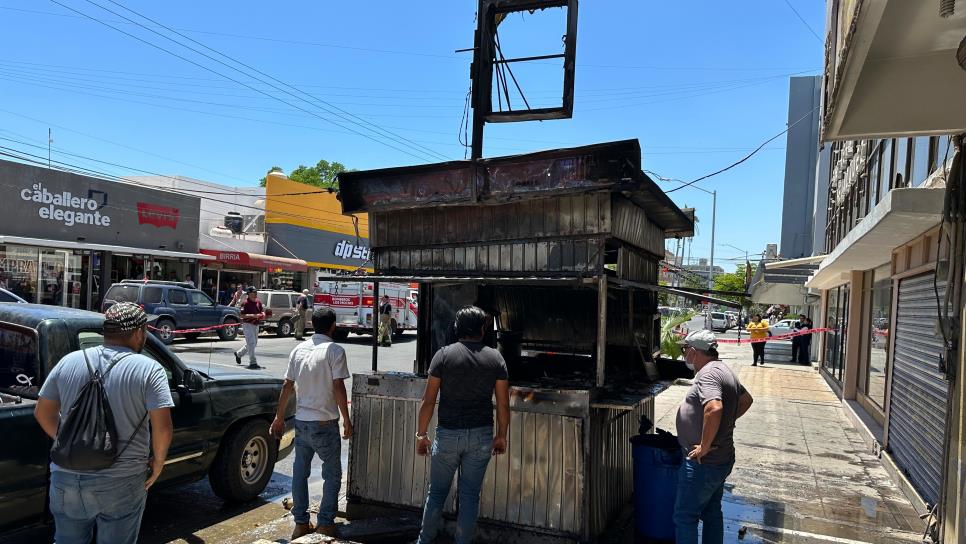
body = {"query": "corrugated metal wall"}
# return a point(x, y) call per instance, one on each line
point(562, 257)
point(919, 399)
point(611, 465)
point(563, 216)
point(632, 225)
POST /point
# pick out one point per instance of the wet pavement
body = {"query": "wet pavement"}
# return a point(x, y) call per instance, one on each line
point(803, 474)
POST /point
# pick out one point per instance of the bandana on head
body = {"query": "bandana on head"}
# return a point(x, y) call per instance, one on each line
point(124, 316)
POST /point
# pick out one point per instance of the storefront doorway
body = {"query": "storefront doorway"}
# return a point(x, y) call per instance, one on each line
point(837, 319)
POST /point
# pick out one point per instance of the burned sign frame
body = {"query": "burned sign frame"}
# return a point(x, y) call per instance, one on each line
point(486, 49)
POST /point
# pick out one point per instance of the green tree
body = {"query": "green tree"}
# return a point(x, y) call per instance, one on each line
point(321, 175)
point(733, 281)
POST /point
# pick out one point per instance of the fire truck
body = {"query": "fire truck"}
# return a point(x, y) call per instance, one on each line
point(352, 302)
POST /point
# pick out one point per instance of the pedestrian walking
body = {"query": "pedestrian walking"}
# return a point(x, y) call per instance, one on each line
point(465, 375)
point(316, 372)
point(385, 322)
point(238, 297)
point(252, 314)
point(301, 311)
point(705, 424)
point(805, 344)
point(758, 331)
point(109, 499)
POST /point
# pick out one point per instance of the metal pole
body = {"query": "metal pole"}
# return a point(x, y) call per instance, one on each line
point(480, 92)
point(375, 325)
point(714, 209)
point(601, 328)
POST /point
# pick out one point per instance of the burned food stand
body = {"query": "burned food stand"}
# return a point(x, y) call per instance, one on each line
point(562, 248)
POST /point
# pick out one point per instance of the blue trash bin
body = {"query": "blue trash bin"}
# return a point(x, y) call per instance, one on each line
point(656, 463)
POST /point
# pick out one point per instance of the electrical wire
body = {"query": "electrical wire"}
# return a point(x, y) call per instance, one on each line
point(318, 100)
point(746, 157)
point(76, 169)
point(206, 68)
point(804, 22)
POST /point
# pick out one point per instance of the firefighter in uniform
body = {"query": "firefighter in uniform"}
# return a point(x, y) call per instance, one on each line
point(385, 322)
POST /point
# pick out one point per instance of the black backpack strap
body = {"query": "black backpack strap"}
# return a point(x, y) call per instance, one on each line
point(131, 438)
point(114, 361)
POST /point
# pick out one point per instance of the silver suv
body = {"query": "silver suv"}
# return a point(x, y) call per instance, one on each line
point(280, 311)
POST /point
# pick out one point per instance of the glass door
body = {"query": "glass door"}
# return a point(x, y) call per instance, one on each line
point(52, 278)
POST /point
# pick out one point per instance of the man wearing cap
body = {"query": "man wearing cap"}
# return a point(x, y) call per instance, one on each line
point(252, 314)
point(301, 308)
point(706, 424)
point(111, 499)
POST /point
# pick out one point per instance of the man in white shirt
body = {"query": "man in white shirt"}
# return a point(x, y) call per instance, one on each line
point(316, 372)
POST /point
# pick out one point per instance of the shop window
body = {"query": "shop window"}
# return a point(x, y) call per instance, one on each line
point(152, 295)
point(887, 165)
point(177, 296)
point(878, 344)
point(901, 177)
point(837, 320)
point(18, 270)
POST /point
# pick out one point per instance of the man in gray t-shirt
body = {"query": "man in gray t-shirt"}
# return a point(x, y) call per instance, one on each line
point(112, 499)
point(705, 424)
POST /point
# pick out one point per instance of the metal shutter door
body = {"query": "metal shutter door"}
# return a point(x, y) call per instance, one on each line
point(917, 417)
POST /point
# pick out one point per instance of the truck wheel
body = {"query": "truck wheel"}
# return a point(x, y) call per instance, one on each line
point(284, 327)
point(229, 333)
point(164, 330)
point(340, 335)
point(244, 463)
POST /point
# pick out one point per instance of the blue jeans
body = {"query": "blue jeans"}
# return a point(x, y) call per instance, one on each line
point(468, 450)
point(311, 438)
point(700, 488)
point(79, 502)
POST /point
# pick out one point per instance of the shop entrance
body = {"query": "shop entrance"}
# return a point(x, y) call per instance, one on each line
point(224, 282)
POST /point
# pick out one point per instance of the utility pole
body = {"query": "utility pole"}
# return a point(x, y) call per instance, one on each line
point(714, 210)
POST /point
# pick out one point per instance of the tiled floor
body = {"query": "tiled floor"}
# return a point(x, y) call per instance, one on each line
point(802, 474)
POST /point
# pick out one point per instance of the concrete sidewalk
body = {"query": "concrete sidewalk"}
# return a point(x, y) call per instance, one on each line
point(802, 474)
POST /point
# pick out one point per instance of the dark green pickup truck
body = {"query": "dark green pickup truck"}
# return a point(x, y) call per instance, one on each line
point(221, 417)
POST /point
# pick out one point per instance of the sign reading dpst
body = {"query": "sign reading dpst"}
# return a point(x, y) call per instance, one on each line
point(345, 250)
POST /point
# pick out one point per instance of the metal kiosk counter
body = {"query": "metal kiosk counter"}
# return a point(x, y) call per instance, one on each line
point(561, 249)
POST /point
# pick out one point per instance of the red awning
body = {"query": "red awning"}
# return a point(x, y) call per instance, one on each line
point(255, 260)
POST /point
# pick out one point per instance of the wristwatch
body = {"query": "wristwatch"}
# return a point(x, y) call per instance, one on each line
point(421, 436)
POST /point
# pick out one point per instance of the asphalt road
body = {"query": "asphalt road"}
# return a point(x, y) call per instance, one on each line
point(179, 514)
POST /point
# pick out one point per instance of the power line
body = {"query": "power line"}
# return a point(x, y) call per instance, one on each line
point(804, 22)
point(746, 157)
point(386, 133)
point(76, 169)
point(182, 57)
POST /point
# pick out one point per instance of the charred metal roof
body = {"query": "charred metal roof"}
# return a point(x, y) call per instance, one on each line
point(612, 166)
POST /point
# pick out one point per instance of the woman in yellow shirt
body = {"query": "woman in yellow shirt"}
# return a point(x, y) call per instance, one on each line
point(758, 329)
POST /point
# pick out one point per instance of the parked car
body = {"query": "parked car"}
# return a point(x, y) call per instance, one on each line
point(720, 322)
point(280, 311)
point(784, 326)
point(7, 296)
point(221, 415)
point(179, 305)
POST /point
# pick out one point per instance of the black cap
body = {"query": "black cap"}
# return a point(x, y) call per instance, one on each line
point(252, 290)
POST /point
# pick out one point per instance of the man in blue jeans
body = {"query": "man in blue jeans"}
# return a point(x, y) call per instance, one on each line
point(465, 375)
point(110, 499)
point(316, 372)
point(706, 424)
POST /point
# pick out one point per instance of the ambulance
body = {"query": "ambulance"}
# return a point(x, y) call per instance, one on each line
point(352, 302)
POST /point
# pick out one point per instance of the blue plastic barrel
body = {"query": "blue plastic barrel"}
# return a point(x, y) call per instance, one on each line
point(656, 468)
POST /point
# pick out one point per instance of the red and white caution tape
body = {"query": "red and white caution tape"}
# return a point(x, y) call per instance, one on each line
point(200, 329)
point(785, 336)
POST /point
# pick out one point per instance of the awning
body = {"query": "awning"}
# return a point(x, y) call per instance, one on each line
point(903, 215)
point(103, 247)
point(255, 260)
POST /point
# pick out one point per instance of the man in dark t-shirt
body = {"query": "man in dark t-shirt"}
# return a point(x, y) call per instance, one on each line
point(465, 375)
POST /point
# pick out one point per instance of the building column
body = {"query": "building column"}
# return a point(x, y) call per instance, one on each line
point(853, 346)
point(954, 513)
point(822, 321)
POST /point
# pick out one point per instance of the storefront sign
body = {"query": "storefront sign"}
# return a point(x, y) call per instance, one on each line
point(56, 205)
point(66, 208)
point(347, 250)
point(242, 259)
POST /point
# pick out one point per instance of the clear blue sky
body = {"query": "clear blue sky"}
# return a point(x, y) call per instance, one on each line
point(700, 84)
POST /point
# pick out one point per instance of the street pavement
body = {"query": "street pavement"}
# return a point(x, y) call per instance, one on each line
point(192, 513)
